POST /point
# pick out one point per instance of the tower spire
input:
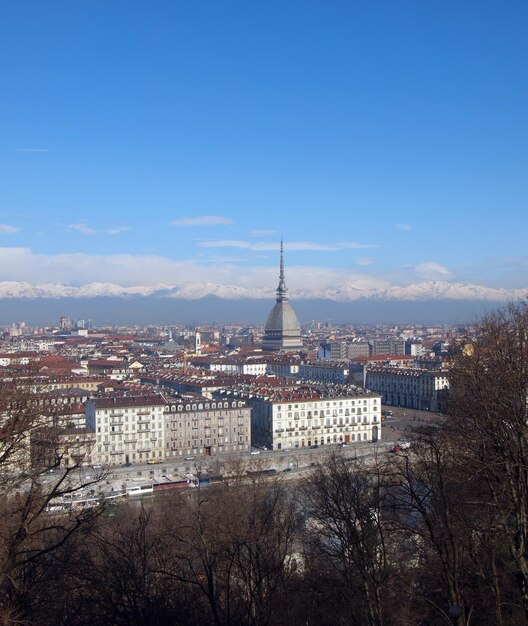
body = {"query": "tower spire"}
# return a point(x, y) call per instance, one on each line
point(283, 331)
point(282, 290)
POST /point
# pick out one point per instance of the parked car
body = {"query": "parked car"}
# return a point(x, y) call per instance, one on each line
point(127, 464)
point(287, 469)
point(314, 446)
point(190, 458)
point(255, 452)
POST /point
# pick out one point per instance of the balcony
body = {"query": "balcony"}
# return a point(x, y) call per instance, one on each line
point(116, 414)
point(129, 440)
point(143, 420)
point(143, 430)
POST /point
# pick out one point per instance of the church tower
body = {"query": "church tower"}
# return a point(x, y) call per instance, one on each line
point(283, 331)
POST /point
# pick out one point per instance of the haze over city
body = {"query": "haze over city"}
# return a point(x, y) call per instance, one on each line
point(163, 150)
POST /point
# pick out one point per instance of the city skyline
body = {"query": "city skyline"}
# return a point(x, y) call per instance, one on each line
point(171, 146)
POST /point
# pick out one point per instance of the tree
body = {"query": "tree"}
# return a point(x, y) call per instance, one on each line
point(123, 573)
point(30, 534)
point(235, 543)
point(346, 539)
point(488, 419)
point(434, 506)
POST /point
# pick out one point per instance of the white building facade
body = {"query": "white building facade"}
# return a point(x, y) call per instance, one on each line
point(291, 419)
point(418, 389)
point(324, 372)
point(128, 429)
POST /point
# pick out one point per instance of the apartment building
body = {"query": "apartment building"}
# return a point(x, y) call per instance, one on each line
point(324, 372)
point(197, 425)
point(241, 366)
point(283, 368)
point(64, 447)
point(311, 415)
point(357, 348)
point(420, 389)
point(181, 383)
point(387, 346)
point(128, 428)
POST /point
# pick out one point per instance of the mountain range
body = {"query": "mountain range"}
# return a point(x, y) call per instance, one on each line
point(431, 290)
point(435, 302)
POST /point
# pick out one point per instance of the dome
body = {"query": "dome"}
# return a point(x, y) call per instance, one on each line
point(282, 319)
point(283, 331)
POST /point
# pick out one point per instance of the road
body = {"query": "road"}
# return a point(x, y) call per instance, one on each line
point(270, 459)
point(116, 479)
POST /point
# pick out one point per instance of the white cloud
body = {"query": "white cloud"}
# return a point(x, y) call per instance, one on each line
point(6, 229)
point(23, 271)
point(404, 226)
point(83, 228)
point(256, 232)
point(432, 271)
point(260, 246)
point(203, 220)
point(24, 265)
point(88, 230)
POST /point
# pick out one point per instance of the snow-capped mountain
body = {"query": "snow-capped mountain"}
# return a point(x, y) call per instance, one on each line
point(347, 292)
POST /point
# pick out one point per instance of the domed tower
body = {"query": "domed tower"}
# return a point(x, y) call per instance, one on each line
point(283, 331)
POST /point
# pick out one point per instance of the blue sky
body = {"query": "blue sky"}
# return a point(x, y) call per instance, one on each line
point(176, 141)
